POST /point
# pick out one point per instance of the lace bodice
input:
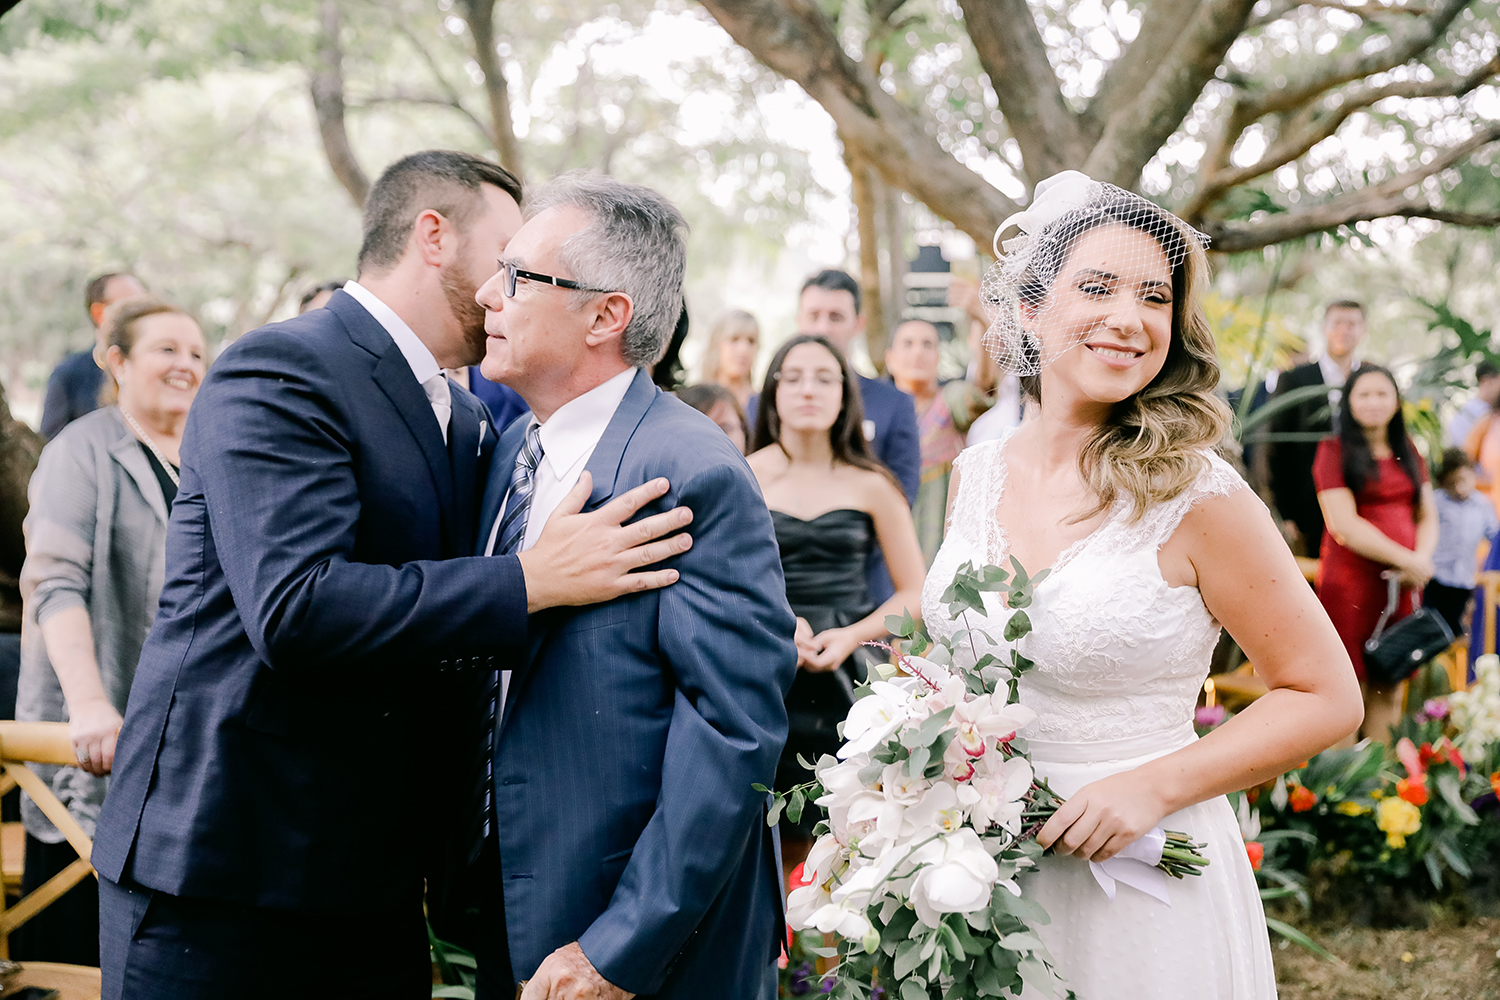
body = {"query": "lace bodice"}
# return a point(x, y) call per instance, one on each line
point(1118, 652)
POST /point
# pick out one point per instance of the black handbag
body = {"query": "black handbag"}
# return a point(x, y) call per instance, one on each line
point(1394, 654)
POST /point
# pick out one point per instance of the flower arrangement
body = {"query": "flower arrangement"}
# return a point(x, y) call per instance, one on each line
point(1390, 814)
point(1475, 713)
point(931, 811)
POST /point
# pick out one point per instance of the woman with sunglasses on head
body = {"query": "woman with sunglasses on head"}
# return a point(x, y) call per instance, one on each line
point(830, 501)
point(1153, 542)
point(1380, 517)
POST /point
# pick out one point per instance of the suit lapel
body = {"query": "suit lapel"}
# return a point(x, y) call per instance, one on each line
point(394, 377)
point(604, 466)
point(127, 451)
point(604, 463)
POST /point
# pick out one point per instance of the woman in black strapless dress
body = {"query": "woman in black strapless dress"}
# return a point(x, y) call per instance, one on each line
point(831, 503)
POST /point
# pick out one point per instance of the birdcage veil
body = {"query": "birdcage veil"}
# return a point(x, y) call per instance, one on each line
point(1064, 207)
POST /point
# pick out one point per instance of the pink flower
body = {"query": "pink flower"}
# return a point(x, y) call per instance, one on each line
point(1435, 708)
point(1209, 716)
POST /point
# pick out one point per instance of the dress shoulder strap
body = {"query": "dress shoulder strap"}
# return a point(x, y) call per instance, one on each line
point(1218, 478)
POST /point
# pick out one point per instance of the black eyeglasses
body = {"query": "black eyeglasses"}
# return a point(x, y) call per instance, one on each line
point(512, 272)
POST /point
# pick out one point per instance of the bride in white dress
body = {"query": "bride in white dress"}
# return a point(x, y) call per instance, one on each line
point(1153, 543)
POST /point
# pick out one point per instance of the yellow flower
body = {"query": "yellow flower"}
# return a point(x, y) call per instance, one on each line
point(1377, 795)
point(1349, 808)
point(1398, 819)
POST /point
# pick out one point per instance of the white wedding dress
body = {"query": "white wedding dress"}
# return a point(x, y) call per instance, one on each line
point(1120, 658)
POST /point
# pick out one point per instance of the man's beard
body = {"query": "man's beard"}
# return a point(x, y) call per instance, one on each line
point(459, 289)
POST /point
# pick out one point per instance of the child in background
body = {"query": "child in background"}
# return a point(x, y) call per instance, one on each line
point(1465, 518)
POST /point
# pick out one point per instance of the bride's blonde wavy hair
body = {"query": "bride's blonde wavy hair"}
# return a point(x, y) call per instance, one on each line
point(1152, 447)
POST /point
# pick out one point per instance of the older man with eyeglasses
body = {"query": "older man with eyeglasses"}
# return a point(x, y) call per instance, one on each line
point(620, 844)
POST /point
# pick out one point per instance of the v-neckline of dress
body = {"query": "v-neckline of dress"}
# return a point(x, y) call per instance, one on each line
point(1001, 541)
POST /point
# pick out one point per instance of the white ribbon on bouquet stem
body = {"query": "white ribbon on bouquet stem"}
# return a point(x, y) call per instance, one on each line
point(1136, 867)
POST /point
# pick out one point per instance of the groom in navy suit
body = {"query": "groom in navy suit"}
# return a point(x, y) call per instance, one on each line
point(281, 782)
point(624, 849)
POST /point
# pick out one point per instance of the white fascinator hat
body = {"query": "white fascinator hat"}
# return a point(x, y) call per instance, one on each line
point(1064, 207)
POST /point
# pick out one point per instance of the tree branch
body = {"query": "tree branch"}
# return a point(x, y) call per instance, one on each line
point(1012, 52)
point(793, 38)
point(328, 103)
point(1407, 42)
point(402, 97)
point(1134, 133)
point(480, 15)
point(1365, 12)
point(1373, 202)
point(1128, 75)
point(1312, 124)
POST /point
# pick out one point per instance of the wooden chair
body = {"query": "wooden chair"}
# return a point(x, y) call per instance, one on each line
point(23, 743)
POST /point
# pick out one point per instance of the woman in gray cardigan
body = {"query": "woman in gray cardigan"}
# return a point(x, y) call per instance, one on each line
point(95, 562)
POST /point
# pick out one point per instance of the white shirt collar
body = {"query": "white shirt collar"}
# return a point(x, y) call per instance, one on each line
point(572, 432)
point(1333, 375)
point(423, 364)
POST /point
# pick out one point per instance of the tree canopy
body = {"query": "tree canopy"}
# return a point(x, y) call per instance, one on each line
point(1258, 120)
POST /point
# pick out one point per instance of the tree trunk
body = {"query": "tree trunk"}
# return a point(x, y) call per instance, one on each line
point(480, 14)
point(866, 202)
point(328, 102)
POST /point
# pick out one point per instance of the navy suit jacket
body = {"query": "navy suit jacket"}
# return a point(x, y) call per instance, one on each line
point(313, 625)
point(633, 731)
point(72, 391)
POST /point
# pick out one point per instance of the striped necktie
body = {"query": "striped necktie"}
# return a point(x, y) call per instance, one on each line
point(512, 532)
point(518, 500)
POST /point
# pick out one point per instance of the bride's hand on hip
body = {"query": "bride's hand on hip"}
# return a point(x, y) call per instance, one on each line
point(1103, 818)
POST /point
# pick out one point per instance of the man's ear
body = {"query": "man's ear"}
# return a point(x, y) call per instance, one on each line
point(96, 311)
point(859, 324)
point(611, 315)
point(429, 235)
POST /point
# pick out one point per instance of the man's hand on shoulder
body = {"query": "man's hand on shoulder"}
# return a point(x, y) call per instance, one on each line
point(567, 974)
point(589, 558)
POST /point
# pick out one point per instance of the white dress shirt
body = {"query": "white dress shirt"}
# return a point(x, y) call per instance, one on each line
point(424, 366)
point(568, 438)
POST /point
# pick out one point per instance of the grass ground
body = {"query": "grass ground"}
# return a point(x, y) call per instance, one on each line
point(1449, 960)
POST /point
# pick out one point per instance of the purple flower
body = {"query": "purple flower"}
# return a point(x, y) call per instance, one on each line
point(1209, 716)
point(1434, 709)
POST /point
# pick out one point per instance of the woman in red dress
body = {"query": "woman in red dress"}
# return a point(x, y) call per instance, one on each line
point(1380, 517)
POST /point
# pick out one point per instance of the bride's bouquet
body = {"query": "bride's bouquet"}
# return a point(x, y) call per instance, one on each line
point(931, 810)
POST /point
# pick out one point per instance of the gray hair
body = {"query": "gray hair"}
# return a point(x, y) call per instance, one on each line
point(637, 245)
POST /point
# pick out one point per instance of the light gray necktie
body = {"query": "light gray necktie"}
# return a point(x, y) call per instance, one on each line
point(441, 397)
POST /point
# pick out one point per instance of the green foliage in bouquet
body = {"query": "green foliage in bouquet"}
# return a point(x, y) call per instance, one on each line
point(930, 814)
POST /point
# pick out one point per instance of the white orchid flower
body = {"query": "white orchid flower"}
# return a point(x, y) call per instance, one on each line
point(874, 718)
point(938, 811)
point(850, 924)
point(826, 855)
point(999, 797)
point(805, 901)
point(957, 876)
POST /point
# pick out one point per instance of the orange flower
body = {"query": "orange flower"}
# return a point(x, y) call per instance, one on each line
point(1413, 790)
point(1303, 799)
point(1495, 782)
point(1257, 852)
